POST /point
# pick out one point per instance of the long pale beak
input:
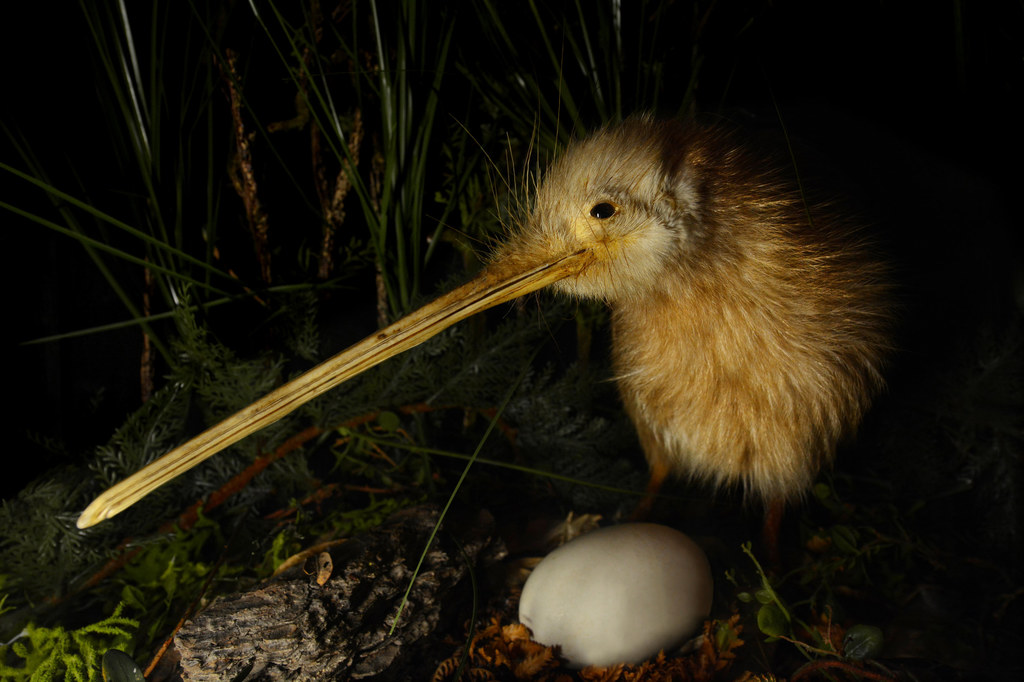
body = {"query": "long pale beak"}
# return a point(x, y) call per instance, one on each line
point(498, 283)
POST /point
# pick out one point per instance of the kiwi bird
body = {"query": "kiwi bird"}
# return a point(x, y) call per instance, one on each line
point(749, 325)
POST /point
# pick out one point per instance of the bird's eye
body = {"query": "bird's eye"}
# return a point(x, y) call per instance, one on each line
point(602, 210)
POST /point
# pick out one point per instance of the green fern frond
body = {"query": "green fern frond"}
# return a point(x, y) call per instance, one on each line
point(55, 653)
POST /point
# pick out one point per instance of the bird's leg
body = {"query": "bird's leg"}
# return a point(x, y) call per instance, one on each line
point(774, 511)
point(659, 472)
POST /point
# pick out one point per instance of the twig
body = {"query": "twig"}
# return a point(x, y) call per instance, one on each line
point(820, 665)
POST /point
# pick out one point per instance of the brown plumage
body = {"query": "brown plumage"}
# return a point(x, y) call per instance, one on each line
point(748, 325)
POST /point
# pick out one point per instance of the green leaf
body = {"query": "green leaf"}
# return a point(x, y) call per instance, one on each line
point(822, 491)
point(772, 621)
point(844, 538)
point(862, 642)
point(388, 421)
point(119, 667)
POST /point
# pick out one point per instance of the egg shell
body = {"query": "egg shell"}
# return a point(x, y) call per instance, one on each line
point(618, 594)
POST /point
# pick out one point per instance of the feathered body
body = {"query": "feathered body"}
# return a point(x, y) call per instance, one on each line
point(749, 327)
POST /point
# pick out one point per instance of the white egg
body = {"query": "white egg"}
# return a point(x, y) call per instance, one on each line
point(619, 594)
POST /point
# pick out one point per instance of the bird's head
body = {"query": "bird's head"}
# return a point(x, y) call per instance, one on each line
point(626, 195)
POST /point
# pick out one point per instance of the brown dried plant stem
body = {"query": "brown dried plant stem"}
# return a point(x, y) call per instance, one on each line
point(244, 179)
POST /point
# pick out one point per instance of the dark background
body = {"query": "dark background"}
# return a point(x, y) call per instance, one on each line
point(921, 99)
point(918, 105)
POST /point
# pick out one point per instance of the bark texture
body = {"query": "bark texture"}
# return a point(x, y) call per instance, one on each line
point(291, 628)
